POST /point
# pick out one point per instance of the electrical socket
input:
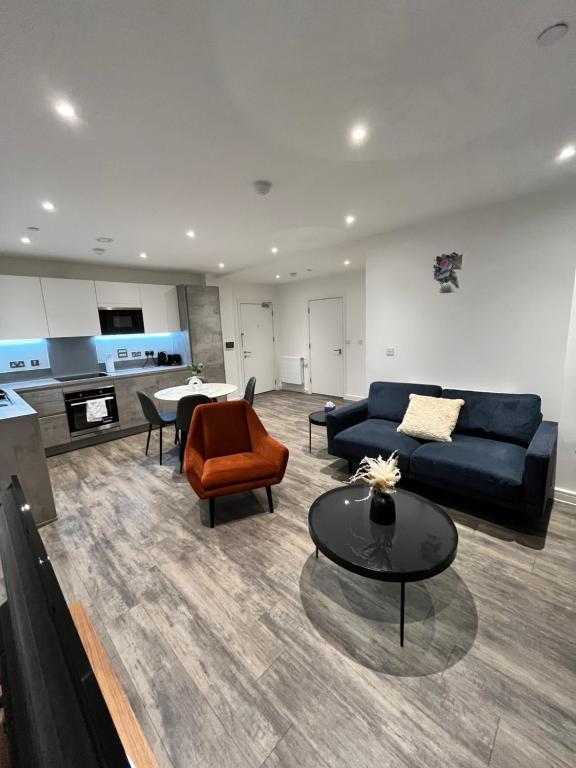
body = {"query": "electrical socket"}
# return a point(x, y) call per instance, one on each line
point(122, 353)
point(17, 364)
point(136, 354)
point(34, 363)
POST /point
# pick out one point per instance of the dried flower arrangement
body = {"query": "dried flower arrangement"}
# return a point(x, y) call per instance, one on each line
point(380, 474)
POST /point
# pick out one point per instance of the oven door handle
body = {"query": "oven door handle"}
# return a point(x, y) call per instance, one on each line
point(83, 402)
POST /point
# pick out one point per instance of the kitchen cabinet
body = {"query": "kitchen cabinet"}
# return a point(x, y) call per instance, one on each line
point(160, 308)
point(54, 430)
point(71, 307)
point(129, 408)
point(46, 402)
point(22, 312)
point(124, 295)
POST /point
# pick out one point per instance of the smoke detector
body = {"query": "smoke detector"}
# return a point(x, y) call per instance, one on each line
point(262, 187)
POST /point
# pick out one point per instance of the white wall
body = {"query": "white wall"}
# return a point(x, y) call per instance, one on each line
point(566, 470)
point(292, 325)
point(506, 329)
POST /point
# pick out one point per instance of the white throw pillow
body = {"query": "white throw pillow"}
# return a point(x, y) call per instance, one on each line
point(431, 418)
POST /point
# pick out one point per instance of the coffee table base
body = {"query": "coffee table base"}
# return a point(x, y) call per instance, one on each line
point(402, 606)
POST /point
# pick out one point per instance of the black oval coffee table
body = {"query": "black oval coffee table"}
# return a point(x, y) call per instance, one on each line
point(421, 543)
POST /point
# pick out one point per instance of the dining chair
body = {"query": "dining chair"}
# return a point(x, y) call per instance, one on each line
point(155, 418)
point(249, 391)
point(184, 413)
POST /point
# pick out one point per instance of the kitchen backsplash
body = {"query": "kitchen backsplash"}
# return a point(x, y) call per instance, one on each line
point(74, 352)
point(26, 351)
point(135, 346)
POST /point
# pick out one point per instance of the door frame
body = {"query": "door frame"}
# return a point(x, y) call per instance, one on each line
point(308, 386)
point(240, 356)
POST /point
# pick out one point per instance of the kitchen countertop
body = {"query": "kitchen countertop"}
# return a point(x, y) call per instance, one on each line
point(17, 408)
point(29, 384)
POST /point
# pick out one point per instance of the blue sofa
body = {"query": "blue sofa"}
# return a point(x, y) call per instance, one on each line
point(502, 452)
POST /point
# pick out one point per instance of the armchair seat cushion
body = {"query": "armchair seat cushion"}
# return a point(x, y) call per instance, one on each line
point(488, 467)
point(375, 437)
point(235, 469)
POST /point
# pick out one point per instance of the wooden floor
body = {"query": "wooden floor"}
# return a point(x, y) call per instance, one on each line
point(238, 648)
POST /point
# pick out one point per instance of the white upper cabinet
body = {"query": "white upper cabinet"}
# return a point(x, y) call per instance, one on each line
point(22, 314)
point(160, 308)
point(122, 295)
point(71, 307)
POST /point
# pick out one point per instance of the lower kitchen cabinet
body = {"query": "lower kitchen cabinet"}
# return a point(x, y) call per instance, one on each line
point(54, 430)
point(129, 409)
point(46, 402)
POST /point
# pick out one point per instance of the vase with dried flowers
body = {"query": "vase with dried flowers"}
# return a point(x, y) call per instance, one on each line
point(381, 475)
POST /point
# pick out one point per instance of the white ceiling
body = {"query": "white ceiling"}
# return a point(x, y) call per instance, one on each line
point(184, 103)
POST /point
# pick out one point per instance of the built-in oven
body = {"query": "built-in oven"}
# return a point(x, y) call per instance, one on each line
point(117, 321)
point(91, 410)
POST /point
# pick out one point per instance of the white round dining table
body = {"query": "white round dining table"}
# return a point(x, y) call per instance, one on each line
point(211, 390)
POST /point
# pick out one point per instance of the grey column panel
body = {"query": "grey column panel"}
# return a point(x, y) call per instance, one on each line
point(199, 308)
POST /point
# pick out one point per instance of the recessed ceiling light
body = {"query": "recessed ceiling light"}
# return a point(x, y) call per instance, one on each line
point(33, 229)
point(143, 255)
point(66, 110)
point(346, 263)
point(552, 34)
point(104, 239)
point(25, 240)
point(566, 153)
point(277, 277)
point(350, 219)
point(191, 233)
point(99, 251)
point(358, 134)
point(221, 265)
point(48, 206)
point(274, 249)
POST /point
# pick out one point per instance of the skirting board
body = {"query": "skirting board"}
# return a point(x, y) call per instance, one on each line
point(565, 495)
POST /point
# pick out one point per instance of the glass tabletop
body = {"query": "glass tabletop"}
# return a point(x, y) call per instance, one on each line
point(419, 544)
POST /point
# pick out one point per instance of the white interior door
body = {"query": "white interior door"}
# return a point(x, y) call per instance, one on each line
point(257, 334)
point(326, 318)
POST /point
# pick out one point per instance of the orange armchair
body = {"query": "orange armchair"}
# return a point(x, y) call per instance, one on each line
point(228, 451)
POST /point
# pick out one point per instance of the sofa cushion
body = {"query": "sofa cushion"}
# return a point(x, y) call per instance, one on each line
point(490, 467)
point(389, 399)
point(514, 418)
point(375, 437)
point(235, 469)
point(431, 418)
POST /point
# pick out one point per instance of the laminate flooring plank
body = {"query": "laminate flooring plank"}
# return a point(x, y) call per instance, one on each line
point(522, 749)
point(294, 749)
point(192, 734)
point(240, 704)
point(436, 724)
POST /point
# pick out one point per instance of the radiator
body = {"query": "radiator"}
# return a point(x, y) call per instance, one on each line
point(292, 370)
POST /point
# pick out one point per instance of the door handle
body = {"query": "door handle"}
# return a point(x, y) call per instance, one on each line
point(339, 350)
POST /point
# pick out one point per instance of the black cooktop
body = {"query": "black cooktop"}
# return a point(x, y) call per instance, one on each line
point(78, 376)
